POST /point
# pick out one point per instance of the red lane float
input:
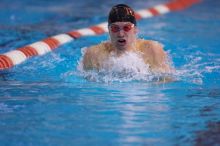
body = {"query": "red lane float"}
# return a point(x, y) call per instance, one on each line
point(15, 57)
point(5, 62)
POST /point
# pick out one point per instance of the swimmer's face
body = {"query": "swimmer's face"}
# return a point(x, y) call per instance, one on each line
point(123, 35)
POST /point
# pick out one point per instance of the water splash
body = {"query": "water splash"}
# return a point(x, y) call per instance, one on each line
point(128, 67)
point(196, 66)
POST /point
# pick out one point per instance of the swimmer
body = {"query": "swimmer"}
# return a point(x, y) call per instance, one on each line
point(123, 30)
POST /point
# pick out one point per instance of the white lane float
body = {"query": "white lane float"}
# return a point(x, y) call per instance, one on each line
point(17, 56)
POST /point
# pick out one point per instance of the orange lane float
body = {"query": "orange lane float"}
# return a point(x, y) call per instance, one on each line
point(15, 57)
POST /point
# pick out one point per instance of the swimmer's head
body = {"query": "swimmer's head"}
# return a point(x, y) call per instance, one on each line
point(121, 13)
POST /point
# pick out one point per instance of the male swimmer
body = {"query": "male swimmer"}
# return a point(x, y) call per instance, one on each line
point(123, 30)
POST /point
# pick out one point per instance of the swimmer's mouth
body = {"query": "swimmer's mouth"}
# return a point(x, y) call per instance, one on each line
point(122, 41)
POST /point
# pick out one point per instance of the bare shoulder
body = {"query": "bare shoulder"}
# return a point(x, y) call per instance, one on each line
point(93, 50)
point(151, 49)
point(150, 45)
point(94, 54)
point(154, 53)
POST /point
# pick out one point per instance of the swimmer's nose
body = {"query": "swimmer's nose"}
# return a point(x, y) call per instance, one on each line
point(121, 33)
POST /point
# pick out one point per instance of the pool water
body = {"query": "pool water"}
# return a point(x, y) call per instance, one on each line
point(48, 100)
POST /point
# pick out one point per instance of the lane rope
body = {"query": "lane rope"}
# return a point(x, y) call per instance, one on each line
point(15, 57)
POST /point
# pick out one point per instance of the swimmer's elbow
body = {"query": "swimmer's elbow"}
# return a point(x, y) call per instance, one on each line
point(86, 61)
point(162, 67)
point(89, 61)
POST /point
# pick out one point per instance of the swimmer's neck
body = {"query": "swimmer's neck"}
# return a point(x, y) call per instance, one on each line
point(121, 51)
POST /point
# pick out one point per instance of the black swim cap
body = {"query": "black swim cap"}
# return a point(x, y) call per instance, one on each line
point(121, 13)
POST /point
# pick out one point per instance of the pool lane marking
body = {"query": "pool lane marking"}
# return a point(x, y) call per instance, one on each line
point(28, 51)
point(52, 42)
point(161, 9)
point(5, 62)
point(41, 47)
point(63, 38)
point(144, 14)
point(98, 29)
point(15, 57)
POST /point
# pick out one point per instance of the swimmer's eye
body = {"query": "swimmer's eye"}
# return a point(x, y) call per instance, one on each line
point(126, 28)
point(115, 28)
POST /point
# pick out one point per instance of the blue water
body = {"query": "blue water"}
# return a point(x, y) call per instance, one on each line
point(47, 101)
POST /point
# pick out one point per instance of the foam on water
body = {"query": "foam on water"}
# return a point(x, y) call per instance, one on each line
point(131, 67)
point(196, 66)
point(127, 67)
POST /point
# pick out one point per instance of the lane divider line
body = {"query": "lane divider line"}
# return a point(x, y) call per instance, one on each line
point(15, 57)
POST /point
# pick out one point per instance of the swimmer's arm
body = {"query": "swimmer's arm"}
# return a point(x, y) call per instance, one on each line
point(161, 62)
point(87, 60)
point(160, 58)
